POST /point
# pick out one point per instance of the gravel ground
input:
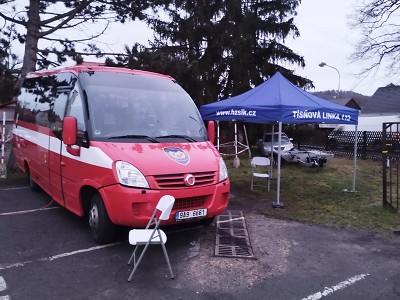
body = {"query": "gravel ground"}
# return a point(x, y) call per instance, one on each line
point(205, 270)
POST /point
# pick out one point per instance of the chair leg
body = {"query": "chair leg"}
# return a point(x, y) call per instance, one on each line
point(167, 259)
point(139, 260)
point(133, 256)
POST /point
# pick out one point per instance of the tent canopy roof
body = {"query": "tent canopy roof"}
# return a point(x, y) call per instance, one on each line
point(278, 100)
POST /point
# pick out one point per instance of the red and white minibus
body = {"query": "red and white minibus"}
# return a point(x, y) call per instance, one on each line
point(108, 143)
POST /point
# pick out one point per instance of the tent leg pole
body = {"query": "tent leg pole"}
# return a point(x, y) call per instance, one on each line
point(247, 141)
point(218, 135)
point(278, 203)
point(236, 160)
point(272, 154)
point(353, 187)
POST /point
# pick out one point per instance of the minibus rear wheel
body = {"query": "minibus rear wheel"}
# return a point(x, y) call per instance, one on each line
point(103, 230)
point(32, 184)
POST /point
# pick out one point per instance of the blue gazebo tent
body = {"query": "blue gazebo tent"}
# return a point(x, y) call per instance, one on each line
point(278, 100)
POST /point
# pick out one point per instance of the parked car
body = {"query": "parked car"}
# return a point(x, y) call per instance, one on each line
point(271, 140)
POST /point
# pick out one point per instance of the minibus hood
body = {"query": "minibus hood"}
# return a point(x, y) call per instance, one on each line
point(166, 158)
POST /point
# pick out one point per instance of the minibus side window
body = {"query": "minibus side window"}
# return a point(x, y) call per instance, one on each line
point(63, 85)
point(58, 113)
point(38, 100)
point(36, 97)
point(75, 109)
point(25, 106)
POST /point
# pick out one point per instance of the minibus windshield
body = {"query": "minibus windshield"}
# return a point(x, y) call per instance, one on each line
point(147, 108)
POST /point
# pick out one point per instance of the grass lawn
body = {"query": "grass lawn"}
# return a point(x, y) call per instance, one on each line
point(318, 196)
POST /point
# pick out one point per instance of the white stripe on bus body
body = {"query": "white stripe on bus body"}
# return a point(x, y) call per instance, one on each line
point(92, 155)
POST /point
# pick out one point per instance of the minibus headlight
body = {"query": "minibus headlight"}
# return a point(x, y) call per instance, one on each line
point(130, 175)
point(223, 171)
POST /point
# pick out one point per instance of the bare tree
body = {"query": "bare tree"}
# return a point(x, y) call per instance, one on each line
point(379, 21)
point(51, 21)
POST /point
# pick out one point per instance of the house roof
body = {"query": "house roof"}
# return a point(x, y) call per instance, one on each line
point(348, 98)
point(349, 102)
point(384, 100)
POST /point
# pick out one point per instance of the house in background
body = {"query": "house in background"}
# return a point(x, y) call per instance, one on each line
point(349, 102)
point(385, 100)
point(346, 98)
point(7, 117)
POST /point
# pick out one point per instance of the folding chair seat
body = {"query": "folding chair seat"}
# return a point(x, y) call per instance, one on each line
point(152, 234)
point(260, 168)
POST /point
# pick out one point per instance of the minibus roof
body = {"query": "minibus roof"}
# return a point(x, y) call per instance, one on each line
point(94, 66)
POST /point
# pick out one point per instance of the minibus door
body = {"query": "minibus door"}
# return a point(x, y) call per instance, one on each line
point(55, 146)
point(74, 138)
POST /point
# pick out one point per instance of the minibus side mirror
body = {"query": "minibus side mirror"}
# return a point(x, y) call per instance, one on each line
point(70, 130)
point(211, 131)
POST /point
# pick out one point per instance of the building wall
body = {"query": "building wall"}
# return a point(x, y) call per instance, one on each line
point(6, 118)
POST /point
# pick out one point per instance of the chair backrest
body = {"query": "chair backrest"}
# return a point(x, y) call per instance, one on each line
point(165, 206)
point(260, 161)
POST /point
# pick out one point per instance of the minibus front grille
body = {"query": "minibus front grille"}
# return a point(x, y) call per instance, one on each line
point(189, 203)
point(174, 181)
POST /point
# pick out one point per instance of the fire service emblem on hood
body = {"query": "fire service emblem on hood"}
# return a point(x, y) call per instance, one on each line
point(177, 155)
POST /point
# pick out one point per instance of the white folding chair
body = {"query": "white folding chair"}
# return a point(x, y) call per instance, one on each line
point(260, 168)
point(152, 236)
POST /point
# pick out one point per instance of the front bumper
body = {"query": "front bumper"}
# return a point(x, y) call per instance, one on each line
point(133, 207)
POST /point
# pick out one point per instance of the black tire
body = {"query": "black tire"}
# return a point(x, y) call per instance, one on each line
point(103, 230)
point(32, 184)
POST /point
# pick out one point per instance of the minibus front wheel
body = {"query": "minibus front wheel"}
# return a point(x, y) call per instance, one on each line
point(103, 230)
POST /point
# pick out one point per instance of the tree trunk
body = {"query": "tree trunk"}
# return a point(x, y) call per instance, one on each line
point(31, 42)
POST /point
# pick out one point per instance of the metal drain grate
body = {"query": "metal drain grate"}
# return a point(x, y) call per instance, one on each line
point(232, 238)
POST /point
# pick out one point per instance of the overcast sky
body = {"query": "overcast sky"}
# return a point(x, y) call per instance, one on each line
point(325, 37)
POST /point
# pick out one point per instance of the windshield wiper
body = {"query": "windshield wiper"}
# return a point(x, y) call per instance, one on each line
point(188, 138)
point(135, 136)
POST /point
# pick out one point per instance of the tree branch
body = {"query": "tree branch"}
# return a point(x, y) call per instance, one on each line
point(68, 17)
point(12, 19)
point(79, 40)
point(71, 53)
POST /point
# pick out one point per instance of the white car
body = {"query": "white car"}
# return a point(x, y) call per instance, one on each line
point(271, 140)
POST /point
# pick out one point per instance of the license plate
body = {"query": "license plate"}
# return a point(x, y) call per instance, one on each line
point(189, 214)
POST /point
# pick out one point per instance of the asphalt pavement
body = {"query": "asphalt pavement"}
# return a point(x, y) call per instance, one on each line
point(48, 253)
